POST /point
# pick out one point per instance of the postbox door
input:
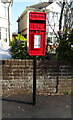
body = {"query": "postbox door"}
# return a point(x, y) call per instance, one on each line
point(37, 43)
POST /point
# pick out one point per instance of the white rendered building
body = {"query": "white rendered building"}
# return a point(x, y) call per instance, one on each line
point(5, 21)
point(53, 17)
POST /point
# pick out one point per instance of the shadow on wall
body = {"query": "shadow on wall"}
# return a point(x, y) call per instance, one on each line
point(55, 76)
point(48, 71)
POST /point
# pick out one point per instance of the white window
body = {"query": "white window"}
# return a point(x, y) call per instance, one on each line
point(49, 40)
point(4, 33)
point(56, 18)
point(51, 18)
point(52, 40)
point(3, 11)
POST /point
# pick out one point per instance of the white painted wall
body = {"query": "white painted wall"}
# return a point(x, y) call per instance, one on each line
point(4, 21)
point(54, 7)
point(53, 16)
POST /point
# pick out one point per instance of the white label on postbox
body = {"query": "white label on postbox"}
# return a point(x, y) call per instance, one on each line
point(37, 41)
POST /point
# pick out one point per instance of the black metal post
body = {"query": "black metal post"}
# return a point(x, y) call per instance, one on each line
point(34, 80)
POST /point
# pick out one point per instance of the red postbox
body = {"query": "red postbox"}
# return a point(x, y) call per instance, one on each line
point(37, 34)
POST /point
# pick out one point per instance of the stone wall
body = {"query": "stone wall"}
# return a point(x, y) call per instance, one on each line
point(17, 76)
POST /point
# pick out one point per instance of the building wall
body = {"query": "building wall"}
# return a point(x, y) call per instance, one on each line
point(17, 76)
point(23, 22)
point(53, 17)
point(4, 22)
point(22, 26)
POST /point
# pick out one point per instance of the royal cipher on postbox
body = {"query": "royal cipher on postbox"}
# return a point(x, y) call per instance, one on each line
point(36, 42)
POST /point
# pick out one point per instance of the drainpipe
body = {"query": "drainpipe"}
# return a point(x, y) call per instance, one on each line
point(8, 23)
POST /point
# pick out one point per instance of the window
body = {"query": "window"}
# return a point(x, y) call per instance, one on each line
point(52, 40)
point(51, 18)
point(4, 11)
point(0, 33)
point(4, 30)
point(49, 39)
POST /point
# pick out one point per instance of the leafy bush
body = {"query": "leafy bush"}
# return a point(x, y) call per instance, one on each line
point(19, 47)
point(64, 51)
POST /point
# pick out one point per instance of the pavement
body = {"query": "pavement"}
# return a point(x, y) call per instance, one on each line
point(47, 106)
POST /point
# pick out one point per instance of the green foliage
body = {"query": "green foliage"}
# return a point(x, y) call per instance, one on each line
point(68, 93)
point(20, 37)
point(64, 51)
point(19, 48)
